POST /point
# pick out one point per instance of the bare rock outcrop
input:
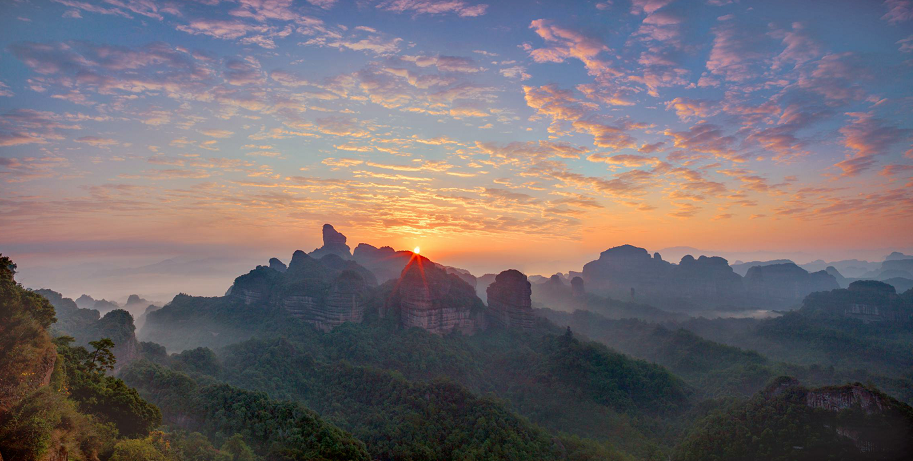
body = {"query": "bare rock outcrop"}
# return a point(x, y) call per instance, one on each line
point(577, 288)
point(427, 297)
point(325, 291)
point(509, 303)
point(277, 265)
point(333, 243)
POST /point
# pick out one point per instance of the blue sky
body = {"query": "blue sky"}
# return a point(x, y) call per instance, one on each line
point(528, 133)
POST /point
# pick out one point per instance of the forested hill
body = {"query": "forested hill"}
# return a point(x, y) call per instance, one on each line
point(59, 402)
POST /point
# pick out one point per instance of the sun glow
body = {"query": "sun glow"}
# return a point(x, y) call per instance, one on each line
point(417, 250)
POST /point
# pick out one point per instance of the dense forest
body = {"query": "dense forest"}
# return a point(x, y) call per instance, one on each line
point(225, 379)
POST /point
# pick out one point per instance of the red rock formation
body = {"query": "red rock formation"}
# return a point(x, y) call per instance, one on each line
point(509, 303)
point(345, 303)
point(430, 298)
point(845, 397)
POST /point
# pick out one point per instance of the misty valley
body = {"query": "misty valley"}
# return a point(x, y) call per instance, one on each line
point(379, 354)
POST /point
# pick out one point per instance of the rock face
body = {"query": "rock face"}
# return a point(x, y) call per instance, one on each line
point(345, 302)
point(577, 287)
point(624, 271)
point(333, 243)
point(865, 300)
point(277, 265)
point(427, 297)
point(628, 272)
point(509, 301)
point(325, 292)
point(118, 325)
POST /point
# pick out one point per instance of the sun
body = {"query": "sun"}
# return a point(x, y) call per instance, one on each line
point(417, 250)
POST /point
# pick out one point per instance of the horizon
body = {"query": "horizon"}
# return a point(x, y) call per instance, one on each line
point(492, 135)
point(148, 277)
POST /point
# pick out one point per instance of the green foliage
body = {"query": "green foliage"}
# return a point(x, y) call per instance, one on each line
point(101, 359)
point(42, 423)
point(277, 429)
point(137, 449)
point(780, 423)
point(238, 450)
point(106, 397)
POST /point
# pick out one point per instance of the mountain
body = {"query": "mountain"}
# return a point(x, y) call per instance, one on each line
point(428, 297)
point(334, 243)
point(86, 325)
point(848, 422)
point(509, 300)
point(785, 284)
point(56, 400)
point(742, 268)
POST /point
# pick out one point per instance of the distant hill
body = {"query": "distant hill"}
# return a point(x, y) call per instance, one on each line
point(849, 422)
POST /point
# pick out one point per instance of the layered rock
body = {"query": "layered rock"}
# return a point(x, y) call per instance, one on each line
point(428, 297)
point(325, 292)
point(333, 243)
point(865, 300)
point(345, 303)
point(509, 301)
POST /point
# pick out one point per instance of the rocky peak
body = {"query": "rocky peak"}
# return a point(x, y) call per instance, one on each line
point(577, 287)
point(384, 262)
point(333, 243)
point(276, 264)
point(873, 287)
point(430, 298)
point(509, 303)
point(85, 302)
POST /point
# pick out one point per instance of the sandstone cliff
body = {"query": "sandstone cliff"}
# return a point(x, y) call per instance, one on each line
point(509, 301)
point(325, 291)
point(427, 297)
point(333, 243)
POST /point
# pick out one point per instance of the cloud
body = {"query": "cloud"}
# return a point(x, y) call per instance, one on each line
point(869, 137)
point(707, 138)
point(898, 11)
point(567, 43)
point(216, 133)
point(434, 7)
point(647, 6)
point(522, 152)
point(221, 28)
point(117, 7)
point(341, 126)
point(96, 141)
point(687, 109)
point(738, 53)
point(446, 63)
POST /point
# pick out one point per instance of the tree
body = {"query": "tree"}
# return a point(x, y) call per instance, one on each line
point(101, 359)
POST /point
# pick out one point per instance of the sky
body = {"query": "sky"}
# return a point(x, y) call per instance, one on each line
point(212, 134)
